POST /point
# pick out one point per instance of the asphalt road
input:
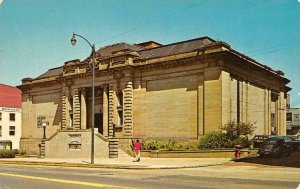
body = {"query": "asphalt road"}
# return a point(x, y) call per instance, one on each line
point(42, 177)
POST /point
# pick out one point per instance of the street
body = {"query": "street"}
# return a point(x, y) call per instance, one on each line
point(220, 176)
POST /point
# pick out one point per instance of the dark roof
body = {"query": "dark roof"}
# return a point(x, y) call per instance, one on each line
point(148, 42)
point(177, 48)
point(161, 51)
point(109, 50)
point(51, 72)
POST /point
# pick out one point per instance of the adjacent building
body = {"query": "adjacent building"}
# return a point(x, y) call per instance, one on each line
point(293, 121)
point(149, 91)
point(10, 117)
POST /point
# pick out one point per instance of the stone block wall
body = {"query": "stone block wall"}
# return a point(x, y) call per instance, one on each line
point(48, 105)
point(167, 108)
point(59, 145)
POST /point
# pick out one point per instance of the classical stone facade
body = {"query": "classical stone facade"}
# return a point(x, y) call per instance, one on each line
point(150, 91)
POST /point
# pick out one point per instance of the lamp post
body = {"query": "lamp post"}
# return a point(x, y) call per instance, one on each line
point(44, 129)
point(73, 42)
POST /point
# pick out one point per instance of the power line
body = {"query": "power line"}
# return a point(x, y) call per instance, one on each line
point(126, 32)
point(272, 47)
point(159, 18)
point(295, 45)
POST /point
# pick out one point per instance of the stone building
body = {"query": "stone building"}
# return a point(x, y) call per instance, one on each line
point(293, 121)
point(150, 91)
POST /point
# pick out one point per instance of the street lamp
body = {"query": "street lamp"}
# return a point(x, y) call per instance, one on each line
point(73, 42)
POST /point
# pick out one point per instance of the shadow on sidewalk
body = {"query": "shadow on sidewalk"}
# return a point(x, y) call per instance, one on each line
point(287, 161)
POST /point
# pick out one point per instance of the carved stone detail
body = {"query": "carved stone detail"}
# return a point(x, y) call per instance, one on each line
point(111, 111)
point(128, 114)
point(64, 96)
point(76, 107)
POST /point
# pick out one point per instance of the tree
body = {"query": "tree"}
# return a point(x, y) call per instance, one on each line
point(231, 134)
point(237, 133)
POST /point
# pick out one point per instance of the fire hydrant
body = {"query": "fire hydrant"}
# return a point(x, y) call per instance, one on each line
point(237, 151)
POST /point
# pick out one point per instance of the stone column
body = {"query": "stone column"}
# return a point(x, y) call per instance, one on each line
point(213, 99)
point(266, 111)
point(76, 109)
point(65, 108)
point(244, 101)
point(111, 105)
point(127, 109)
point(200, 106)
point(105, 111)
point(281, 114)
point(83, 108)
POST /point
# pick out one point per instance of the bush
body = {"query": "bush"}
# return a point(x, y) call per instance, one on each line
point(237, 133)
point(169, 145)
point(213, 140)
point(16, 151)
point(7, 154)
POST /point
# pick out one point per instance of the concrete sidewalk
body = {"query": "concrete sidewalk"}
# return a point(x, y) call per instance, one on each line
point(120, 163)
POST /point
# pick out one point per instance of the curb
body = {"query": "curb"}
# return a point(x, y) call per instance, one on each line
point(133, 167)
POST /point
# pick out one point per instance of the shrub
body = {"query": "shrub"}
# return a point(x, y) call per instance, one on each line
point(237, 133)
point(169, 145)
point(16, 151)
point(213, 140)
point(7, 154)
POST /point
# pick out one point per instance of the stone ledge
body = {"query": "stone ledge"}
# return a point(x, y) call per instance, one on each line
point(192, 154)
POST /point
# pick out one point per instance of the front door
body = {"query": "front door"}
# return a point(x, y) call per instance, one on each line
point(99, 122)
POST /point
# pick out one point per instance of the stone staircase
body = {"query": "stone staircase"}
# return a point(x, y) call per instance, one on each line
point(122, 154)
point(113, 148)
point(42, 152)
point(115, 151)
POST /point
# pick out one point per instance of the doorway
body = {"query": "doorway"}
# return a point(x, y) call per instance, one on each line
point(99, 122)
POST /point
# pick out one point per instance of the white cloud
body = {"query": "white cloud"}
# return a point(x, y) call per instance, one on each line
point(1, 1)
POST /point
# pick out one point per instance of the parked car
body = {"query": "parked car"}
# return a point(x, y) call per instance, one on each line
point(258, 140)
point(291, 142)
point(275, 147)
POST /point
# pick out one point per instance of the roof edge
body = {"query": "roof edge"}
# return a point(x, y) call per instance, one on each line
point(179, 42)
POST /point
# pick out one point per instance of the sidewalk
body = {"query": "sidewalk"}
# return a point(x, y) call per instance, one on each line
point(120, 163)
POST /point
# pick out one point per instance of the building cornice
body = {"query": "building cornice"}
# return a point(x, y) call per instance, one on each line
point(211, 55)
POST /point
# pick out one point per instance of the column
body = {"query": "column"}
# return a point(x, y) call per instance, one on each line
point(281, 114)
point(266, 111)
point(244, 101)
point(200, 106)
point(65, 109)
point(111, 105)
point(127, 109)
point(76, 109)
point(105, 110)
point(83, 108)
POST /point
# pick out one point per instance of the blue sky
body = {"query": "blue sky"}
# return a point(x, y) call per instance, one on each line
point(35, 35)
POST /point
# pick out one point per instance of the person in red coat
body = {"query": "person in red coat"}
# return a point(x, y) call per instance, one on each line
point(137, 149)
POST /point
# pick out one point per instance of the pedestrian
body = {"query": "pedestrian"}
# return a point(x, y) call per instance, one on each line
point(237, 151)
point(137, 149)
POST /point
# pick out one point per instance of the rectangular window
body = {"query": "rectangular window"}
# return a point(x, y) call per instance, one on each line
point(0, 131)
point(0, 116)
point(12, 130)
point(12, 117)
point(289, 116)
point(296, 119)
